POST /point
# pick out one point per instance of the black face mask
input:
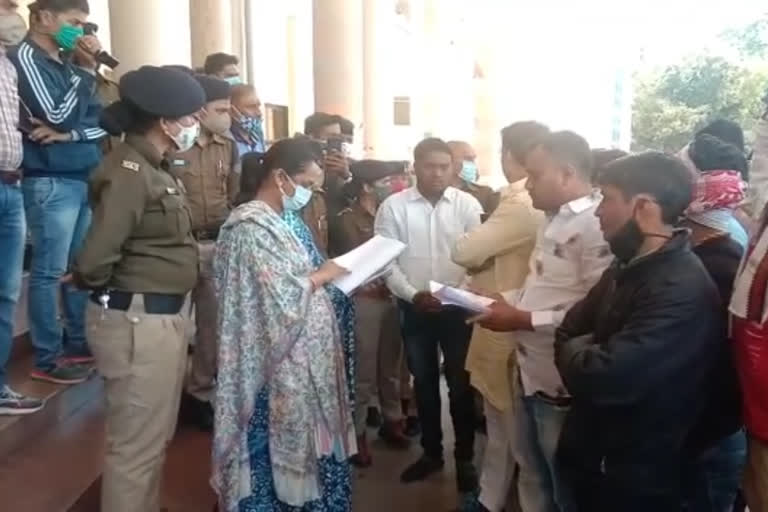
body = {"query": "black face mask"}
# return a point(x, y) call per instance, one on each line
point(627, 241)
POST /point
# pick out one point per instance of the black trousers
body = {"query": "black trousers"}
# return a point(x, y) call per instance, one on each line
point(423, 333)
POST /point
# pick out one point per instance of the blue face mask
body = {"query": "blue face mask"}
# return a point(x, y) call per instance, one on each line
point(300, 198)
point(233, 80)
point(469, 172)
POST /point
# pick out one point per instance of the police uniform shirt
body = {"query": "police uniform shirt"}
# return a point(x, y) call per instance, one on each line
point(140, 237)
point(487, 198)
point(208, 173)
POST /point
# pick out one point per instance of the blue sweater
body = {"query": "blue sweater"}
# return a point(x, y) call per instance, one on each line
point(63, 97)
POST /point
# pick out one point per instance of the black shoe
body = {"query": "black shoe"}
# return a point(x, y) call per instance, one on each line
point(412, 426)
point(199, 413)
point(421, 469)
point(466, 477)
point(373, 420)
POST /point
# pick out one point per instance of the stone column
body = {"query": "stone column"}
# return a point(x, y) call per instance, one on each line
point(212, 28)
point(338, 57)
point(378, 108)
point(150, 32)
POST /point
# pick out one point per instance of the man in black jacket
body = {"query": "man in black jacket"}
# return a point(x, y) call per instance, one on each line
point(636, 351)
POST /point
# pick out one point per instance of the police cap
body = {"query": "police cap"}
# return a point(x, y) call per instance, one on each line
point(368, 171)
point(162, 92)
point(215, 89)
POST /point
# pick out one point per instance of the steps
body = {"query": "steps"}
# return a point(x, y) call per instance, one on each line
point(50, 458)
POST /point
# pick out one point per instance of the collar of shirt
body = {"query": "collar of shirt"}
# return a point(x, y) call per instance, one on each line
point(514, 188)
point(147, 150)
point(413, 194)
point(59, 60)
point(208, 138)
point(581, 204)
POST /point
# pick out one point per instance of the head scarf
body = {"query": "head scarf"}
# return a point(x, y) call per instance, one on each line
point(716, 195)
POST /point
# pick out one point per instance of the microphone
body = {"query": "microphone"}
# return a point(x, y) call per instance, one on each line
point(102, 57)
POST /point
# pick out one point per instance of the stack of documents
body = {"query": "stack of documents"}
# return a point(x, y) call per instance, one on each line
point(367, 263)
point(464, 299)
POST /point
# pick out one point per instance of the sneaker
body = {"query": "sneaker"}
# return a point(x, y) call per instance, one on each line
point(466, 477)
point(470, 502)
point(77, 360)
point(62, 374)
point(16, 404)
point(421, 469)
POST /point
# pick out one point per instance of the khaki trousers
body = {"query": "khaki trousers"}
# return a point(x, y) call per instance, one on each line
point(756, 476)
point(202, 377)
point(379, 359)
point(142, 359)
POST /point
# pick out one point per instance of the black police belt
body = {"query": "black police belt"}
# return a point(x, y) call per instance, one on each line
point(206, 234)
point(154, 303)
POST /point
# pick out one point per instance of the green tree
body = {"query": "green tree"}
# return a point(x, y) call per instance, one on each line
point(671, 104)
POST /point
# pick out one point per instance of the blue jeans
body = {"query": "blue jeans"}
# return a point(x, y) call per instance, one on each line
point(712, 481)
point(58, 216)
point(536, 435)
point(13, 231)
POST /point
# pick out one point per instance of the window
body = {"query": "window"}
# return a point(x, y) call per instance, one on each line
point(402, 111)
point(276, 125)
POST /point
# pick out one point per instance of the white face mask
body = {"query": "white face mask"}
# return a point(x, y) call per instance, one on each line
point(12, 29)
point(186, 137)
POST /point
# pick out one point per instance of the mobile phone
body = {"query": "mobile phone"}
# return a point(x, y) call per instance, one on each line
point(335, 144)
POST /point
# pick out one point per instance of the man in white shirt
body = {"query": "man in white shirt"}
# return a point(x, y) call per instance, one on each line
point(569, 258)
point(429, 219)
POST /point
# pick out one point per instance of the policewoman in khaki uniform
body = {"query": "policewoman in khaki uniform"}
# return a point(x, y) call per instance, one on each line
point(141, 261)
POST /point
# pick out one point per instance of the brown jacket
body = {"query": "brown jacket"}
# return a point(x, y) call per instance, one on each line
point(352, 227)
point(107, 92)
point(208, 173)
point(315, 216)
point(140, 237)
point(488, 199)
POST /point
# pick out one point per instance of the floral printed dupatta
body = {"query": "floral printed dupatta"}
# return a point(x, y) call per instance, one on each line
point(274, 330)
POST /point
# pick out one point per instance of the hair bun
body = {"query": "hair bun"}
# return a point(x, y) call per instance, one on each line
point(116, 118)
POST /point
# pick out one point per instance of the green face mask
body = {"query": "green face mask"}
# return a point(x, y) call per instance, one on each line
point(68, 35)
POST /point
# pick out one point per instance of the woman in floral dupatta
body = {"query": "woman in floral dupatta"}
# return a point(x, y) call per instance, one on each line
point(283, 430)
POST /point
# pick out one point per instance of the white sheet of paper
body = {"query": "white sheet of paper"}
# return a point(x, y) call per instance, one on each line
point(464, 299)
point(368, 262)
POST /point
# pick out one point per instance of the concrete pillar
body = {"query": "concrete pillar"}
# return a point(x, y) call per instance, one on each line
point(212, 28)
point(378, 108)
point(150, 32)
point(338, 57)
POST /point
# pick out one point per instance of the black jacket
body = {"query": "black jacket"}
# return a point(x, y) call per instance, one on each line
point(634, 354)
point(722, 415)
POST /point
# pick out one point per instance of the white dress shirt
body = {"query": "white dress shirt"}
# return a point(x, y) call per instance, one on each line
point(430, 234)
point(569, 258)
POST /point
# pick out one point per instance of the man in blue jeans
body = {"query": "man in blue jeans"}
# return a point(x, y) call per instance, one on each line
point(61, 148)
point(12, 225)
point(569, 257)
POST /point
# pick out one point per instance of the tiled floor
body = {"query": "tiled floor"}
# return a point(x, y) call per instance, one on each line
point(376, 489)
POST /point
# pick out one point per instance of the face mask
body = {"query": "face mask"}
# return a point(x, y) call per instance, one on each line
point(12, 29)
point(469, 172)
point(68, 35)
point(300, 198)
point(386, 188)
point(218, 123)
point(233, 80)
point(627, 241)
point(186, 137)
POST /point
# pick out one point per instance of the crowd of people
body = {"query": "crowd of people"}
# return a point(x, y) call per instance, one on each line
point(620, 366)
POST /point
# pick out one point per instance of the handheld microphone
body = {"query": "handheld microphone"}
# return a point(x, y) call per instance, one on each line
point(102, 57)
